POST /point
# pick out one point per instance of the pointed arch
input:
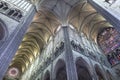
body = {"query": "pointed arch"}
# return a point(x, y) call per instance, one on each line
point(83, 69)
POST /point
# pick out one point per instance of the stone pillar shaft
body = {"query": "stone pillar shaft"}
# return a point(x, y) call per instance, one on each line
point(70, 63)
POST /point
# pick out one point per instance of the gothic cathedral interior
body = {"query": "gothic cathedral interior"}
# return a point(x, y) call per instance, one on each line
point(59, 40)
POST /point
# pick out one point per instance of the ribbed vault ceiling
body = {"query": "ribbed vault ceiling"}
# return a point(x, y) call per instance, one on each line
point(50, 15)
point(60, 8)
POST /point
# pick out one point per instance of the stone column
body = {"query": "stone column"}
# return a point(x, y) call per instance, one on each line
point(10, 47)
point(52, 59)
point(70, 63)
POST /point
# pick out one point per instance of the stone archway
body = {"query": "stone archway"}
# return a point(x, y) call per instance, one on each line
point(82, 70)
point(47, 75)
point(99, 73)
point(2, 31)
point(60, 70)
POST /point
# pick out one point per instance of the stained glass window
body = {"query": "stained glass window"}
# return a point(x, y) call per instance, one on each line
point(109, 39)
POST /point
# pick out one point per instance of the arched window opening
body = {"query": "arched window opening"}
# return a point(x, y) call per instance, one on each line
point(5, 8)
point(20, 16)
point(11, 12)
point(15, 14)
point(47, 76)
point(2, 32)
point(1, 4)
point(109, 42)
point(61, 74)
point(99, 73)
point(82, 70)
point(60, 71)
